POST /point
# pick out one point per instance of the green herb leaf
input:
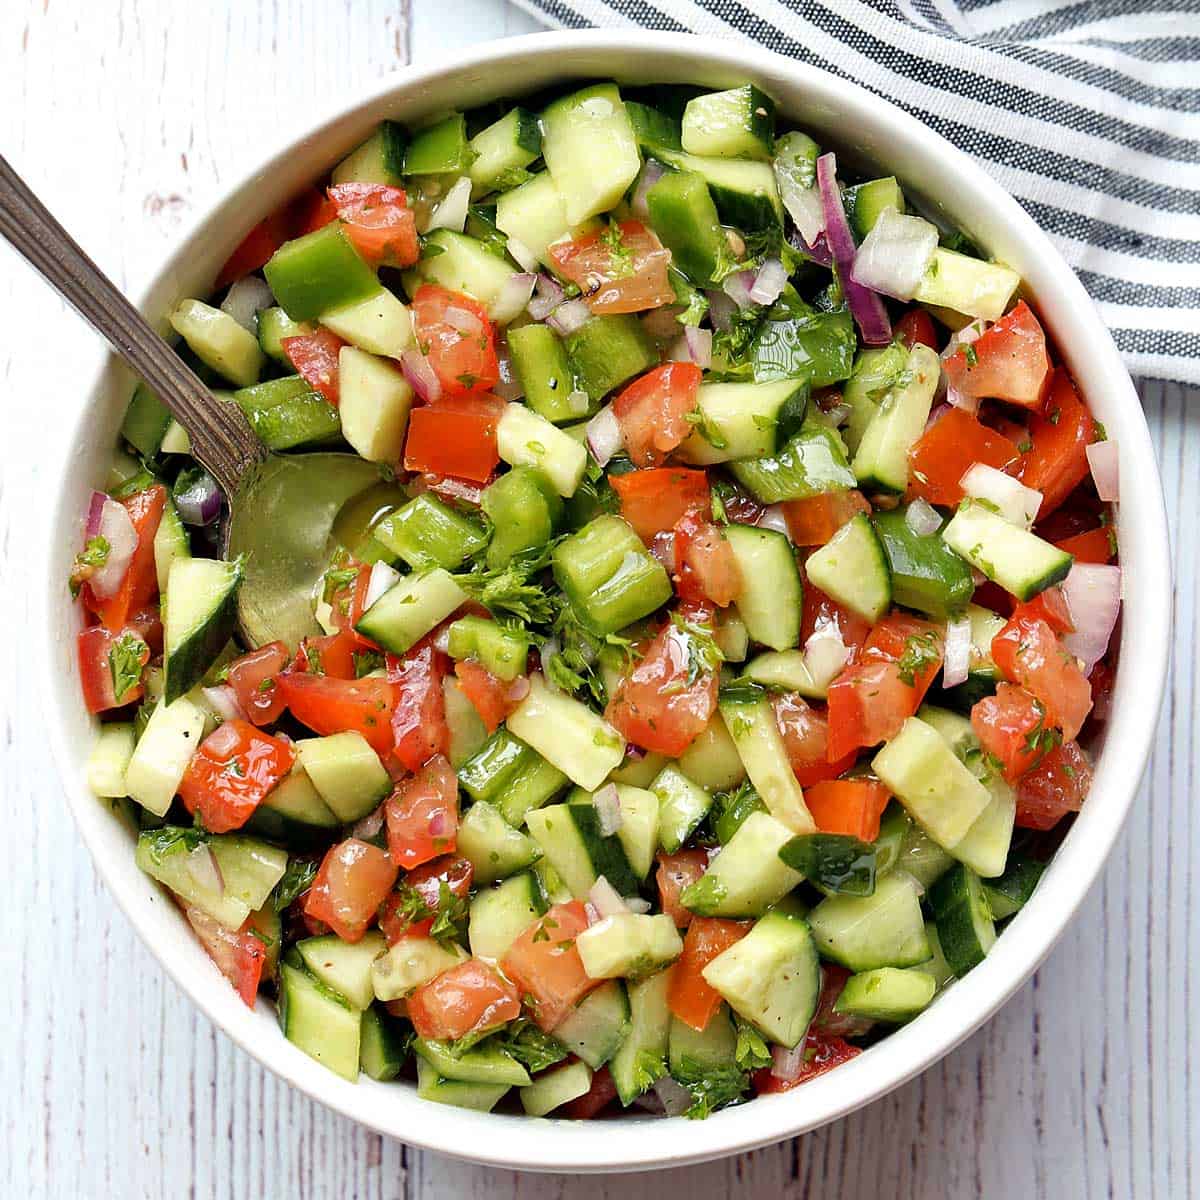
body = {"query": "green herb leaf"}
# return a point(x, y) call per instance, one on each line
point(88, 561)
point(296, 880)
point(126, 658)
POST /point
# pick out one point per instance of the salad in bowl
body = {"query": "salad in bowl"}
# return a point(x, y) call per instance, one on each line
point(704, 678)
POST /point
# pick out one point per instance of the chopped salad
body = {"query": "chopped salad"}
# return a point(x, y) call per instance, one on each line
point(701, 686)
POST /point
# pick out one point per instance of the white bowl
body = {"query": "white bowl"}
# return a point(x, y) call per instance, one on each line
point(859, 125)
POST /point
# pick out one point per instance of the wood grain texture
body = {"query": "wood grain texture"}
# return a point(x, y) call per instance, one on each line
point(123, 115)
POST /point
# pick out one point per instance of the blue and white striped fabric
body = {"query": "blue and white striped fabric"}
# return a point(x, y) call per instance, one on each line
point(1087, 112)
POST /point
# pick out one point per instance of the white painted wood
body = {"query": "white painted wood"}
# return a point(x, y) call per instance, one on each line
point(126, 113)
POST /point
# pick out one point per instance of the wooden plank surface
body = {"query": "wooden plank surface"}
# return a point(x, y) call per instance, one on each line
point(124, 115)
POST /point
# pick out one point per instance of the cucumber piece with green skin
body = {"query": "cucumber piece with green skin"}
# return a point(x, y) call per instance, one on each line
point(465, 264)
point(684, 217)
point(374, 403)
point(319, 1022)
point(606, 351)
point(426, 532)
point(525, 510)
point(318, 272)
point(292, 808)
point(926, 574)
point(481, 1097)
point(287, 413)
point(1010, 893)
point(738, 123)
point(1020, 562)
point(653, 128)
point(833, 862)
point(556, 1087)
point(218, 341)
point(486, 1063)
point(511, 775)
point(747, 876)
point(936, 964)
point(609, 576)
point(893, 825)
point(523, 439)
point(866, 201)
point(750, 719)
point(408, 964)
point(771, 977)
point(501, 650)
point(539, 359)
point(921, 857)
point(874, 374)
point(811, 462)
point(590, 150)
point(171, 541)
point(745, 193)
point(570, 838)
point(967, 285)
point(784, 671)
point(853, 568)
point(639, 772)
point(965, 926)
point(344, 967)
point(682, 806)
point(378, 323)
point(597, 1026)
point(732, 809)
point(163, 752)
point(500, 914)
point(744, 420)
point(146, 421)
point(885, 929)
point(732, 636)
point(200, 613)
point(881, 460)
point(638, 831)
point(440, 149)
point(346, 772)
point(534, 214)
point(273, 326)
point(468, 733)
point(494, 848)
point(770, 595)
point(982, 673)
point(176, 440)
point(109, 759)
point(893, 994)
point(712, 760)
point(503, 149)
point(796, 344)
point(695, 1052)
point(641, 1059)
point(380, 159)
point(383, 1045)
point(629, 945)
point(410, 608)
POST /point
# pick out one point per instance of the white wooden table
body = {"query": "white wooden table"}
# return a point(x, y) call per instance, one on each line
point(124, 115)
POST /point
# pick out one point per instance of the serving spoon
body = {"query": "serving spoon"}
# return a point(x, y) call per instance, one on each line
point(281, 509)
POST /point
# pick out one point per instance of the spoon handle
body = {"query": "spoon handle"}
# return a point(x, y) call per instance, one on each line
point(221, 437)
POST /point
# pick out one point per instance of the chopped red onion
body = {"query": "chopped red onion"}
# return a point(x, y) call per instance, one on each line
point(607, 803)
point(383, 578)
point(699, 343)
point(547, 296)
point(956, 399)
point(786, 1064)
point(738, 286)
point(865, 305)
point(769, 282)
point(720, 309)
point(825, 654)
point(370, 825)
point(1104, 460)
point(802, 203)
point(421, 376)
point(817, 250)
point(440, 824)
point(774, 518)
point(1093, 594)
point(116, 527)
point(922, 518)
point(604, 436)
point(964, 337)
point(522, 255)
point(246, 299)
point(204, 869)
point(895, 255)
point(605, 898)
point(513, 298)
point(517, 690)
point(676, 1099)
point(199, 503)
point(649, 1102)
point(1017, 503)
point(633, 752)
point(568, 317)
point(224, 702)
point(589, 911)
point(91, 525)
point(451, 212)
point(662, 323)
point(508, 386)
point(651, 173)
point(957, 661)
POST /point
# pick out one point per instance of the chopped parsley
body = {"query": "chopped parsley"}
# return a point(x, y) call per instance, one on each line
point(530, 1046)
point(620, 256)
point(297, 879)
point(752, 1051)
point(970, 354)
point(88, 561)
point(711, 1087)
point(366, 661)
point(705, 428)
point(921, 651)
point(126, 657)
point(510, 590)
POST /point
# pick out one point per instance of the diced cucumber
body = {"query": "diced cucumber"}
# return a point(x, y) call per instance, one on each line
point(597, 1025)
point(852, 568)
point(273, 326)
point(682, 806)
point(865, 202)
point(964, 921)
point(525, 439)
point(784, 671)
point(501, 913)
point(732, 636)
point(771, 977)
point(892, 994)
point(881, 460)
point(218, 341)
point(1011, 892)
point(319, 1022)
point(468, 733)
point(411, 962)
point(380, 159)
point(176, 440)
point(171, 541)
point(770, 597)
point(344, 966)
point(293, 807)
point(465, 264)
point(410, 608)
point(287, 413)
point(695, 1053)
point(503, 150)
point(539, 359)
point(383, 1045)
point(147, 420)
point(639, 772)
point(495, 849)
point(375, 400)
point(744, 420)
point(440, 149)
point(813, 461)
point(641, 1059)
point(486, 1063)
point(502, 651)
point(747, 876)
point(426, 532)
point(590, 149)
point(161, 756)
point(874, 375)
point(926, 574)
point(511, 775)
point(936, 964)
point(653, 127)
point(984, 848)
point(607, 350)
point(885, 929)
point(481, 1097)
point(535, 214)
point(745, 193)
point(525, 511)
point(317, 272)
point(685, 218)
point(638, 831)
point(556, 1087)
point(200, 611)
point(1019, 561)
point(739, 123)
point(967, 285)
point(629, 945)
point(712, 760)
point(346, 772)
point(570, 837)
point(750, 719)
point(378, 323)
point(795, 342)
point(109, 759)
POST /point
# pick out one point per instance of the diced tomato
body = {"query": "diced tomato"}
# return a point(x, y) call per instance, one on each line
point(1103, 679)
point(850, 806)
point(1049, 606)
point(805, 733)
point(821, 1054)
point(668, 696)
point(945, 451)
point(147, 623)
point(419, 718)
point(916, 328)
point(545, 965)
point(705, 568)
point(597, 1098)
point(675, 872)
point(821, 613)
point(310, 211)
point(454, 333)
point(469, 998)
point(1056, 786)
point(689, 995)
point(139, 584)
point(353, 881)
point(1010, 726)
point(231, 773)
point(1027, 652)
point(621, 269)
point(489, 695)
point(255, 248)
point(315, 357)
point(348, 603)
point(332, 655)
point(827, 1022)
point(653, 501)
point(239, 954)
point(1008, 361)
point(379, 223)
point(328, 705)
point(422, 815)
point(653, 409)
point(813, 521)
point(99, 650)
point(455, 436)
point(395, 917)
point(1095, 546)
point(255, 681)
point(1056, 461)
point(914, 643)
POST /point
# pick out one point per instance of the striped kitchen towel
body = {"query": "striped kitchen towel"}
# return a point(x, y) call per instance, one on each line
point(1087, 111)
